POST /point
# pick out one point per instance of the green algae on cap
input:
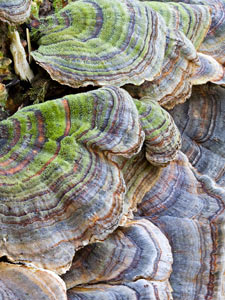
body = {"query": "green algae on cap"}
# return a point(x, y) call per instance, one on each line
point(15, 11)
point(214, 42)
point(56, 174)
point(193, 20)
point(162, 137)
point(101, 42)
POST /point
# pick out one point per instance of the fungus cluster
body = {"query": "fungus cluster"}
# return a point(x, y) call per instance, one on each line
point(117, 189)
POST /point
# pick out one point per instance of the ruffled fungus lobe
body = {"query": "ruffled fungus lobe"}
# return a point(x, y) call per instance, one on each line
point(137, 250)
point(26, 283)
point(193, 20)
point(186, 30)
point(56, 174)
point(214, 42)
point(172, 85)
point(189, 209)
point(208, 70)
point(15, 11)
point(201, 122)
point(101, 42)
point(138, 290)
point(162, 137)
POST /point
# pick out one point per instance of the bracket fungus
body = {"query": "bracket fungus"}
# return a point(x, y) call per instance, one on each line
point(138, 290)
point(201, 122)
point(15, 11)
point(89, 42)
point(22, 282)
point(56, 172)
point(162, 137)
point(114, 186)
point(137, 250)
point(189, 209)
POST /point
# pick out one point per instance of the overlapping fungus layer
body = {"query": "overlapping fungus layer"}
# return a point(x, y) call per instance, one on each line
point(137, 250)
point(201, 122)
point(189, 209)
point(20, 282)
point(15, 11)
point(95, 186)
point(101, 42)
point(140, 289)
point(55, 174)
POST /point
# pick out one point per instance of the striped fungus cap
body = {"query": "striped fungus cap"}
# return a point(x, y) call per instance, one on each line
point(101, 42)
point(23, 282)
point(15, 11)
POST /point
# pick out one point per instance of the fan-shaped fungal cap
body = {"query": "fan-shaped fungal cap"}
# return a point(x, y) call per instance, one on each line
point(214, 42)
point(162, 137)
point(209, 70)
point(138, 290)
point(193, 20)
point(137, 250)
point(59, 189)
point(15, 11)
point(101, 42)
point(201, 122)
point(139, 176)
point(26, 283)
point(172, 85)
point(189, 209)
point(179, 189)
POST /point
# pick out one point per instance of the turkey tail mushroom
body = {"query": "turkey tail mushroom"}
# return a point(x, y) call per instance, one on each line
point(162, 137)
point(136, 250)
point(15, 11)
point(138, 290)
point(187, 27)
point(208, 70)
point(172, 85)
point(189, 208)
point(56, 174)
point(214, 42)
point(26, 283)
point(201, 123)
point(119, 42)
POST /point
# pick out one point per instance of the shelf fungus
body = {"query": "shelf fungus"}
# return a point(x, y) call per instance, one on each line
point(208, 70)
point(138, 290)
point(162, 137)
point(193, 20)
point(26, 283)
point(189, 209)
point(56, 173)
point(185, 33)
point(137, 250)
point(201, 123)
point(172, 85)
point(101, 42)
point(15, 11)
point(214, 42)
point(116, 188)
